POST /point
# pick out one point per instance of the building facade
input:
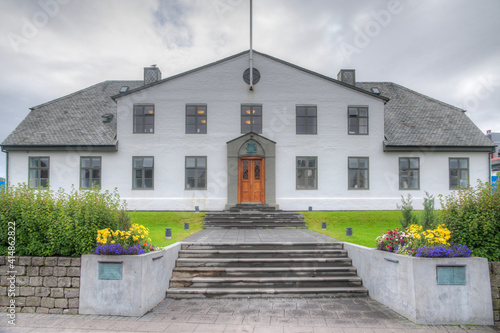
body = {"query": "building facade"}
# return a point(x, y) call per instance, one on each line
point(295, 139)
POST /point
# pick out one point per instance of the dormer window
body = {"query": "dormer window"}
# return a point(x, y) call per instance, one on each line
point(144, 118)
point(123, 89)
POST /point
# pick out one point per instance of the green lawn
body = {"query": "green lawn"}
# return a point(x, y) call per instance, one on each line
point(366, 225)
point(156, 222)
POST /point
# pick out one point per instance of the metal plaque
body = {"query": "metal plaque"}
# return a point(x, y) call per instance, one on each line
point(110, 270)
point(451, 275)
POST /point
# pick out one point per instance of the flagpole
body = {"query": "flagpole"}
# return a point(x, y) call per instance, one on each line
point(251, 51)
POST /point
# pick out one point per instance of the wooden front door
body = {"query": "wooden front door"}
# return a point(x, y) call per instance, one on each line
point(251, 177)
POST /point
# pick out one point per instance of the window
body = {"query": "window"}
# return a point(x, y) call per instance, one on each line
point(358, 173)
point(251, 118)
point(196, 173)
point(144, 118)
point(143, 177)
point(358, 120)
point(459, 173)
point(409, 173)
point(306, 119)
point(196, 119)
point(39, 172)
point(90, 172)
point(307, 173)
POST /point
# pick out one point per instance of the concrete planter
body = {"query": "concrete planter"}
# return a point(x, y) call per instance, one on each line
point(409, 286)
point(143, 284)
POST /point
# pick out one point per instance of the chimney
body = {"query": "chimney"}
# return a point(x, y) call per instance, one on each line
point(151, 74)
point(347, 76)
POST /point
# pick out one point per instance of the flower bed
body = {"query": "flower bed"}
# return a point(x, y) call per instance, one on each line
point(133, 241)
point(414, 241)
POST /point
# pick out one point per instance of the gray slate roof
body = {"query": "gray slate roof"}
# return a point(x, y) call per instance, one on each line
point(413, 119)
point(75, 119)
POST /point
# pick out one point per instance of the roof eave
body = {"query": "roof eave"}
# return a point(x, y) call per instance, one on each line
point(438, 148)
point(80, 148)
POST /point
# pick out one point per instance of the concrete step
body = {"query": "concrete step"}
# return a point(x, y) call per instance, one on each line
point(262, 262)
point(264, 271)
point(247, 219)
point(267, 292)
point(272, 253)
point(262, 246)
point(266, 282)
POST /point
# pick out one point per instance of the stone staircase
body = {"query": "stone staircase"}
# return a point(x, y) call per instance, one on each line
point(245, 216)
point(238, 270)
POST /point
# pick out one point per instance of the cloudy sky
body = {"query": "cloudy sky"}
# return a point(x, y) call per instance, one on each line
point(447, 49)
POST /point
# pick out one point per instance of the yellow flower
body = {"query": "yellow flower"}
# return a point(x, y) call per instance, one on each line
point(112, 242)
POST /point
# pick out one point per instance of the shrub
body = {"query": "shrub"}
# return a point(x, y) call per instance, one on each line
point(406, 208)
point(49, 223)
point(473, 217)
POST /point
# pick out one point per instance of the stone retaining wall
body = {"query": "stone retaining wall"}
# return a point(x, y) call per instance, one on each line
point(43, 285)
point(495, 289)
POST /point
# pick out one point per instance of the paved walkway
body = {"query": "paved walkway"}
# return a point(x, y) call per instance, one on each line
point(323, 315)
point(298, 315)
point(259, 235)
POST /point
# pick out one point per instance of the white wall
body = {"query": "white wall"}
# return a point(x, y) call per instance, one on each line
point(281, 88)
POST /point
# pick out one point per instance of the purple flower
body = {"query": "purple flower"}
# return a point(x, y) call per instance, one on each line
point(442, 251)
point(118, 249)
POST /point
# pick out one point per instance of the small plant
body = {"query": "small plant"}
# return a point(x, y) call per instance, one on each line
point(428, 219)
point(118, 249)
point(406, 208)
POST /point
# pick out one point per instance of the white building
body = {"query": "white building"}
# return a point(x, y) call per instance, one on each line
point(203, 138)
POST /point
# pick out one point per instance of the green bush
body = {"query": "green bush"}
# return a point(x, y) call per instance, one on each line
point(473, 217)
point(49, 223)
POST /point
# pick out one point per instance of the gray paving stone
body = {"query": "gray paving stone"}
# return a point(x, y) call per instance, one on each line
point(311, 322)
point(181, 328)
point(229, 320)
point(239, 329)
point(283, 321)
point(206, 328)
point(257, 320)
point(328, 330)
point(203, 319)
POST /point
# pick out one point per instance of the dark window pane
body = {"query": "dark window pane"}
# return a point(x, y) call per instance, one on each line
point(301, 111)
point(301, 129)
point(33, 174)
point(464, 164)
point(414, 163)
point(301, 120)
point(44, 173)
point(44, 162)
point(148, 183)
point(191, 120)
point(311, 112)
point(363, 130)
point(202, 129)
point(353, 163)
point(257, 110)
point(353, 178)
point(403, 163)
point(363, 112)
point(201, 183)
point(353, 111)
point(138, 183)
point(312, 163)
point(191, 110)
point(96, 174)
point(191, 128)
point(363, 163)
point(34, 162)
point(312, 130)
point(190, 182)
point(190, 162)
point(85, 183)
point(148, 173)
point(96, 162)
point(85, 162)
point(200, 162)
point(137, 162)
point(44, 182)
point(453, 163)
point(311, 121)
point(138, 110)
